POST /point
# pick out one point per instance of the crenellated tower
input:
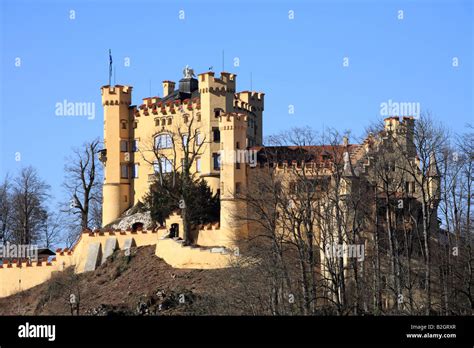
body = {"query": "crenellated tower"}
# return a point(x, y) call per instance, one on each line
point(403, 132)
point(251, 103)
point(217, 98)
point(117, 191)
point(233, 178)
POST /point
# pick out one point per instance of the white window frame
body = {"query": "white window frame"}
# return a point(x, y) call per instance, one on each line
point(198, 164)
point(163, 141)
point(166, 166)
point(136, 167)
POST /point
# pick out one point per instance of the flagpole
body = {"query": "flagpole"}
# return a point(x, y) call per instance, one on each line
point(110, 66)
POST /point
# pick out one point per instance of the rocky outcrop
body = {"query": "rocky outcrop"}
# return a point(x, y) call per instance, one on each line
point(135, 217)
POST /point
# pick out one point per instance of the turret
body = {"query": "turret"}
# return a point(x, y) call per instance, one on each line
point(217, 96)
point(233, 178)
point(117, 190)
point(433, 179)
point(403, 132)
point(253, 104)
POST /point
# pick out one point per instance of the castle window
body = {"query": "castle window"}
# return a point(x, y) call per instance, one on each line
point(217, 161)
point(166, 166)
point(163, 122)
point(135, 170)
point(237, 165)
point(123, 146)
point(390, 166)
point(237, 145)
point(199, 139)
point(124, 171)
point(124, 125)
point(185, 140)
point(217, 112)
point(170, 120)
point(135, 124)
point(135, 145)
point(238, 187)
point(326, 156)
point(163, 141)
point(216, 134)
point(198, 165)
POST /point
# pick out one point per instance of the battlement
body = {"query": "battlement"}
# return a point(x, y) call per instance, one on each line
point(251, 96)
point(210, 84)
point(154, 106)
point(115, 95)
point(208, 227)
point(233, 118)
point(310, 167)
point(249, 101)
point(25, 263)
point(114, 232)
point(395, 124)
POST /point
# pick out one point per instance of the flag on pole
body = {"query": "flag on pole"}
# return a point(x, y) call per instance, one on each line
point(110, 66)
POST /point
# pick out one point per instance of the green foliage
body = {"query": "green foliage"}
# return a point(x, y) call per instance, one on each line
point(165, 196)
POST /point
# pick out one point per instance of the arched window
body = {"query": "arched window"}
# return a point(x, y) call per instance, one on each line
point(163, 141)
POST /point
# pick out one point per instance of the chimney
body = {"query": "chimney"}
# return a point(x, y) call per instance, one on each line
point(168, 88)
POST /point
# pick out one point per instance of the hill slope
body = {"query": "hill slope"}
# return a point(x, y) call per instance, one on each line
point(138, 284)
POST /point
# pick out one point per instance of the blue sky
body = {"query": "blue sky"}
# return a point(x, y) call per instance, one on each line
point(294, 61)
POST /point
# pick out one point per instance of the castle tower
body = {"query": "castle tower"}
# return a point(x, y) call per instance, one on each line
point(217, 97)
point(233, 178)
point(117, 191)
point(253, 103)
point(433, 179)
point(403, 132)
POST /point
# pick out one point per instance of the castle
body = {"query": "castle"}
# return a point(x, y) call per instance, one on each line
point(223, 121)
point(225, 127)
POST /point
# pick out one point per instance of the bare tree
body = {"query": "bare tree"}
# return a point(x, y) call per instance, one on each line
point(5, 209)
point(83, 184)
point(456, 205)
point(52, 230)
point(29, 213)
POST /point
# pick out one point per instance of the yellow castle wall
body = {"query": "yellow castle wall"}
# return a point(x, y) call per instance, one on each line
point(184, 257)
point(36, 274)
